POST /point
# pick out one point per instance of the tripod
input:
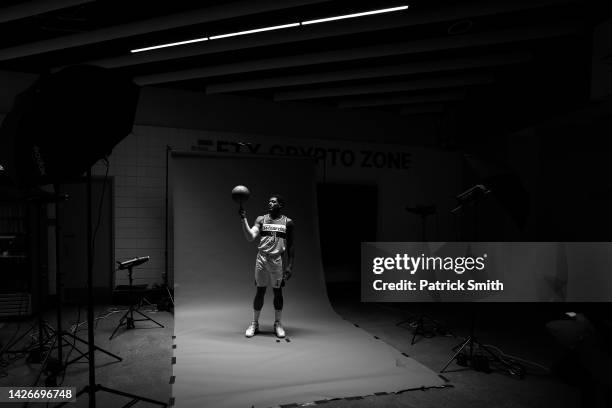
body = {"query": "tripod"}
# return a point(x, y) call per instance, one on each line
point(480, 364)
point(127, 319)
point(424, 211)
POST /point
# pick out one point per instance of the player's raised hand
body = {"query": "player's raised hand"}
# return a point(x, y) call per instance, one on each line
point(242, 212)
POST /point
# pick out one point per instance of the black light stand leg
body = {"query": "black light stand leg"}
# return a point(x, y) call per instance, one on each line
point(462, 346)
point(470, 341)
point(96, 348)
point(31, 347)
point(146, 318)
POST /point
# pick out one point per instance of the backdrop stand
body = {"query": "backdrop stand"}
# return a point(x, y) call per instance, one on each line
point(166, 303)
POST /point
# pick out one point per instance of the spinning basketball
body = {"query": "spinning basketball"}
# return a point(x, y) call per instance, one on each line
point(240, 194)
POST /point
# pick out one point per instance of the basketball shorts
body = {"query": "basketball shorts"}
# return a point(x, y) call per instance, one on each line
point(269, 270)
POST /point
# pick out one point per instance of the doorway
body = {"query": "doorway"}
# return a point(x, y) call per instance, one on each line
point(73, 220)
point(347, 217)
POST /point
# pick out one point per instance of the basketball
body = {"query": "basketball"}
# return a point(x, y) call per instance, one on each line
point(240, 194)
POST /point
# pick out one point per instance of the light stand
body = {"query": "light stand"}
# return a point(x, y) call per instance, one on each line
point(480, 364)
point(473, 196)
point(424, 211)
point(59, 335)
point(92, 387)
point(127, 319)
point(48, 121)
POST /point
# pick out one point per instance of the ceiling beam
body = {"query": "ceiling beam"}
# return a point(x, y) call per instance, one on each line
point(408, 86)
point(35, 7)
point(403, 100)
point(421, 67)
point(418, 110)
point(200, 16)
point(352, 54)
point(321, 31)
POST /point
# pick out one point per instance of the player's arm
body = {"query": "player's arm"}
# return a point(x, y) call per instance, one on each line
point(290, 248)
point(250, 233)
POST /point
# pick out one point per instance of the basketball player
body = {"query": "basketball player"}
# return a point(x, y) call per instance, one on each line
point(276, 242)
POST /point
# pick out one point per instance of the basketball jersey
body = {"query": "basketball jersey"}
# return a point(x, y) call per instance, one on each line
point(273, 235)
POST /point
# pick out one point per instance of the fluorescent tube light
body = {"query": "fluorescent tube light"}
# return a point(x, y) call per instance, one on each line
point(257, 30)
point(365, 13)
point(279, 27)
point(155, 47)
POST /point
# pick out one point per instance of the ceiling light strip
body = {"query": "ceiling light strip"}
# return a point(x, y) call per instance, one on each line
point(155, 47)
point(279, 27)
point(365, 13)
point(257, 30)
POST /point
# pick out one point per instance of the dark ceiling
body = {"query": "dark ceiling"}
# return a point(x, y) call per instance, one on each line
point(516, 54)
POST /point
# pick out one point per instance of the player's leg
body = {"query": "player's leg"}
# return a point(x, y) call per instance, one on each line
point(261, 281)
point(258, 302)
point(276, 276)
point(278, 303)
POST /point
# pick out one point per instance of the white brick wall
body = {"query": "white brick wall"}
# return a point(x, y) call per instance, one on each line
point(138, 167)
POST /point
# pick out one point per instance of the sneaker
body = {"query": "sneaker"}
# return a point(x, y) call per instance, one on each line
point(278, 329)
point(252, 330)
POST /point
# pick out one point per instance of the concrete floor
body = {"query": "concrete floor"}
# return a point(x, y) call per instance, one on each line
point(146, 367)
point(146, 351)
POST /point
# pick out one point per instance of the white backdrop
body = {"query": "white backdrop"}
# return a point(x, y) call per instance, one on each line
point(324, 357)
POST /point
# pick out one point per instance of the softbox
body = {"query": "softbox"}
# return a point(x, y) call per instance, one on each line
point(64, 123)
